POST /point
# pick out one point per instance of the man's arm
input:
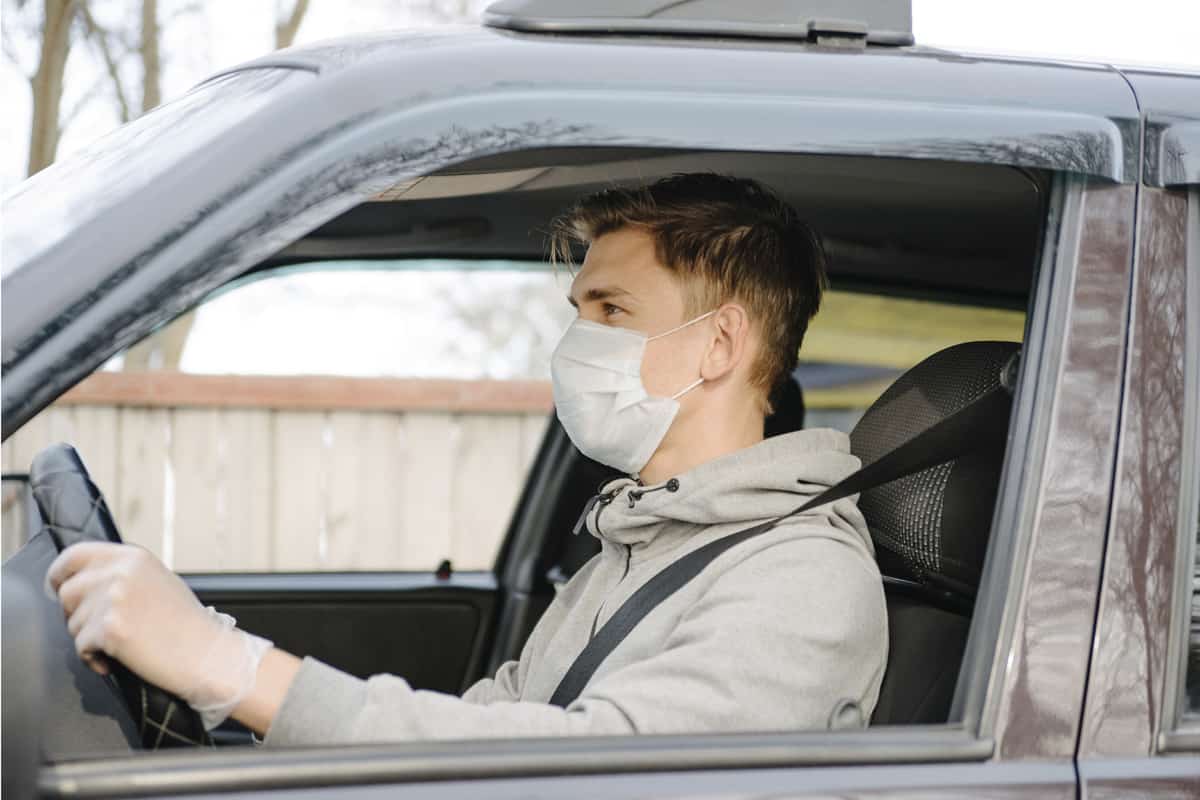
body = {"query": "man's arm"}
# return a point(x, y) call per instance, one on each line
point(121, 601)
point(776, 643)
point(275, 675)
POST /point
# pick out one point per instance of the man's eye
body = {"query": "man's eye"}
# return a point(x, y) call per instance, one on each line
point(610, 309)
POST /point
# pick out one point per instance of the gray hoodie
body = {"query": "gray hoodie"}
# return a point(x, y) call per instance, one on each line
point(785, 631)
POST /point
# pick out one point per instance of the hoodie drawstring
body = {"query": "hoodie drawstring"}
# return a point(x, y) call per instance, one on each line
point(637, 494)
point(593, 501)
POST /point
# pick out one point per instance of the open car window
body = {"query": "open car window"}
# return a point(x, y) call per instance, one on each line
point(383, 415)
point(365, 416)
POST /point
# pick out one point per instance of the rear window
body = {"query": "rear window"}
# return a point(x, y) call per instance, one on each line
point(41, 211)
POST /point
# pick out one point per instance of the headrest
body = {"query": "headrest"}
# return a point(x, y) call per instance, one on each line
point(933, 526)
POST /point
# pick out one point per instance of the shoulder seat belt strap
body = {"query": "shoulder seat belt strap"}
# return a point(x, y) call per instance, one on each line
point(985, 419)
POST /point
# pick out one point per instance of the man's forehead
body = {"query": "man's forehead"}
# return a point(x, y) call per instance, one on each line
point(617, 261)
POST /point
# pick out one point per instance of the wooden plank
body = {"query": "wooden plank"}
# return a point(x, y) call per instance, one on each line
point(12, 517)
point(139, 504)
point(307, 392)
point(96, 436)
point(60, 426)
point(25, 443)
point(248, 492)
point(198, 456)
point(363, 512)
point(221, 462)
point(487, 477)
point(429, 442)
point(344, 499)
point(299, 491)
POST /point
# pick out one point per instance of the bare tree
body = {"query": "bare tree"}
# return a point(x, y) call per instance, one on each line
point(287, 26)
point(151, 64)
point(164, 349)
point(112, 51)
point(47, 82)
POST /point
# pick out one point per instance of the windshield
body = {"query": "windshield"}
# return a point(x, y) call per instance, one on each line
point(44, 209)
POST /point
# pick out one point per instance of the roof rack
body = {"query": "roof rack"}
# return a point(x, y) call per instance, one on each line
point(829, 22)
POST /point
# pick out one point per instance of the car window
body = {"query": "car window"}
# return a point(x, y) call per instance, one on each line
point(859, 343)
point(383, 415)
point(339, 416)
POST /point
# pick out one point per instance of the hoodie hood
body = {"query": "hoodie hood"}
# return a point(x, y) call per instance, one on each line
point(738, 490)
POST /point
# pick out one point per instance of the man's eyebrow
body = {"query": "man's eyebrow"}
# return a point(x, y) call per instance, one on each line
point(599, 293)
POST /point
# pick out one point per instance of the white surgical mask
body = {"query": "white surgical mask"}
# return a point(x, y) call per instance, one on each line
point(600, 399)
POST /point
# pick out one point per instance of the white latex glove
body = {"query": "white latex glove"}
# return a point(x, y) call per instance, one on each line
point(123, 602)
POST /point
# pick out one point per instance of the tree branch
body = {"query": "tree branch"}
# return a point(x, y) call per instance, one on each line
point(100, 37)
point(286, 30)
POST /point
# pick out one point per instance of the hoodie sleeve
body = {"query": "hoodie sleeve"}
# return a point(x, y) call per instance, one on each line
point(818, 640)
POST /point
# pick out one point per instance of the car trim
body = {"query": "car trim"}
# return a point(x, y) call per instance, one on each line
point(1179, 729)
point(257, 586)
point(994, 622)
point(1172, 151)
point(227, 769)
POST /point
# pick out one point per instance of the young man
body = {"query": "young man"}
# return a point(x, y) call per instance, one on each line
point(693, 300)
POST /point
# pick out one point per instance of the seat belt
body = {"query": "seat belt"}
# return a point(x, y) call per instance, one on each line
point(984, 419)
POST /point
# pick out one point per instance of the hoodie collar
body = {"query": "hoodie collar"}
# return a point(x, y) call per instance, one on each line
point(742, 488)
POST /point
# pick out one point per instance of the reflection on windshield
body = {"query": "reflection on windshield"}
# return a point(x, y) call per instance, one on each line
point(44, 209)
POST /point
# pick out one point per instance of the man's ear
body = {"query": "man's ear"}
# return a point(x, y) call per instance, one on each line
point(729, 342)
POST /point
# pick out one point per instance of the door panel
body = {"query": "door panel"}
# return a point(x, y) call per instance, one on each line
point(1129, 700)
point(431, 632)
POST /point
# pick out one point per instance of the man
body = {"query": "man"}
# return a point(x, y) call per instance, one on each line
point(693, 300)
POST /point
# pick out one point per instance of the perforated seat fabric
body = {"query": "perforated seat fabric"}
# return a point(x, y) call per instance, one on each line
point(931, 528)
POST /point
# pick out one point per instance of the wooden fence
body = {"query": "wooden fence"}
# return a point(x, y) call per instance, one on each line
point(263, 474)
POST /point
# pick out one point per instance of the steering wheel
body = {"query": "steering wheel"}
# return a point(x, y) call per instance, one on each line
point(74, 511)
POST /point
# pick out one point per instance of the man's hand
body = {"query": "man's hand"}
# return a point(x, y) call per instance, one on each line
point(122, 602)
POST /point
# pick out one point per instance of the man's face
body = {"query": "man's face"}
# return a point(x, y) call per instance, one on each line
point(623, 284)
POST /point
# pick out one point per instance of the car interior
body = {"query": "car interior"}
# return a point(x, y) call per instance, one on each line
point(951, 232)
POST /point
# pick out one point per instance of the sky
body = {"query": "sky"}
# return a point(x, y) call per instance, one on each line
point(224, 33)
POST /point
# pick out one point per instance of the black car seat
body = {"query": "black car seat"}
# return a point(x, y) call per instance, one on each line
point(931, 528)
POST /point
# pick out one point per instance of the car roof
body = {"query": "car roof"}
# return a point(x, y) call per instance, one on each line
point(397, 46)
point(382, 66)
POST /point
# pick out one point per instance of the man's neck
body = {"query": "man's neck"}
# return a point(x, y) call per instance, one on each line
point(700, 439)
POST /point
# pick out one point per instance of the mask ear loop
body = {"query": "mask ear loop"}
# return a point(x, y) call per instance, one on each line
point(681, 327)
point(698, 381)
point(687, 389)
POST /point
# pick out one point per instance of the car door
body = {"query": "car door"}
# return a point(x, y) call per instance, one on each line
point(1140, 726)
point(1014, 726)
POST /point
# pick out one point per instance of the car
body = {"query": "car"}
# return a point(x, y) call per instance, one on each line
point(1048, 203)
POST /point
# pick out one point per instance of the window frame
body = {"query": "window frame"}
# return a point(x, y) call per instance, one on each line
point(1180, 729)
point(886, 749)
